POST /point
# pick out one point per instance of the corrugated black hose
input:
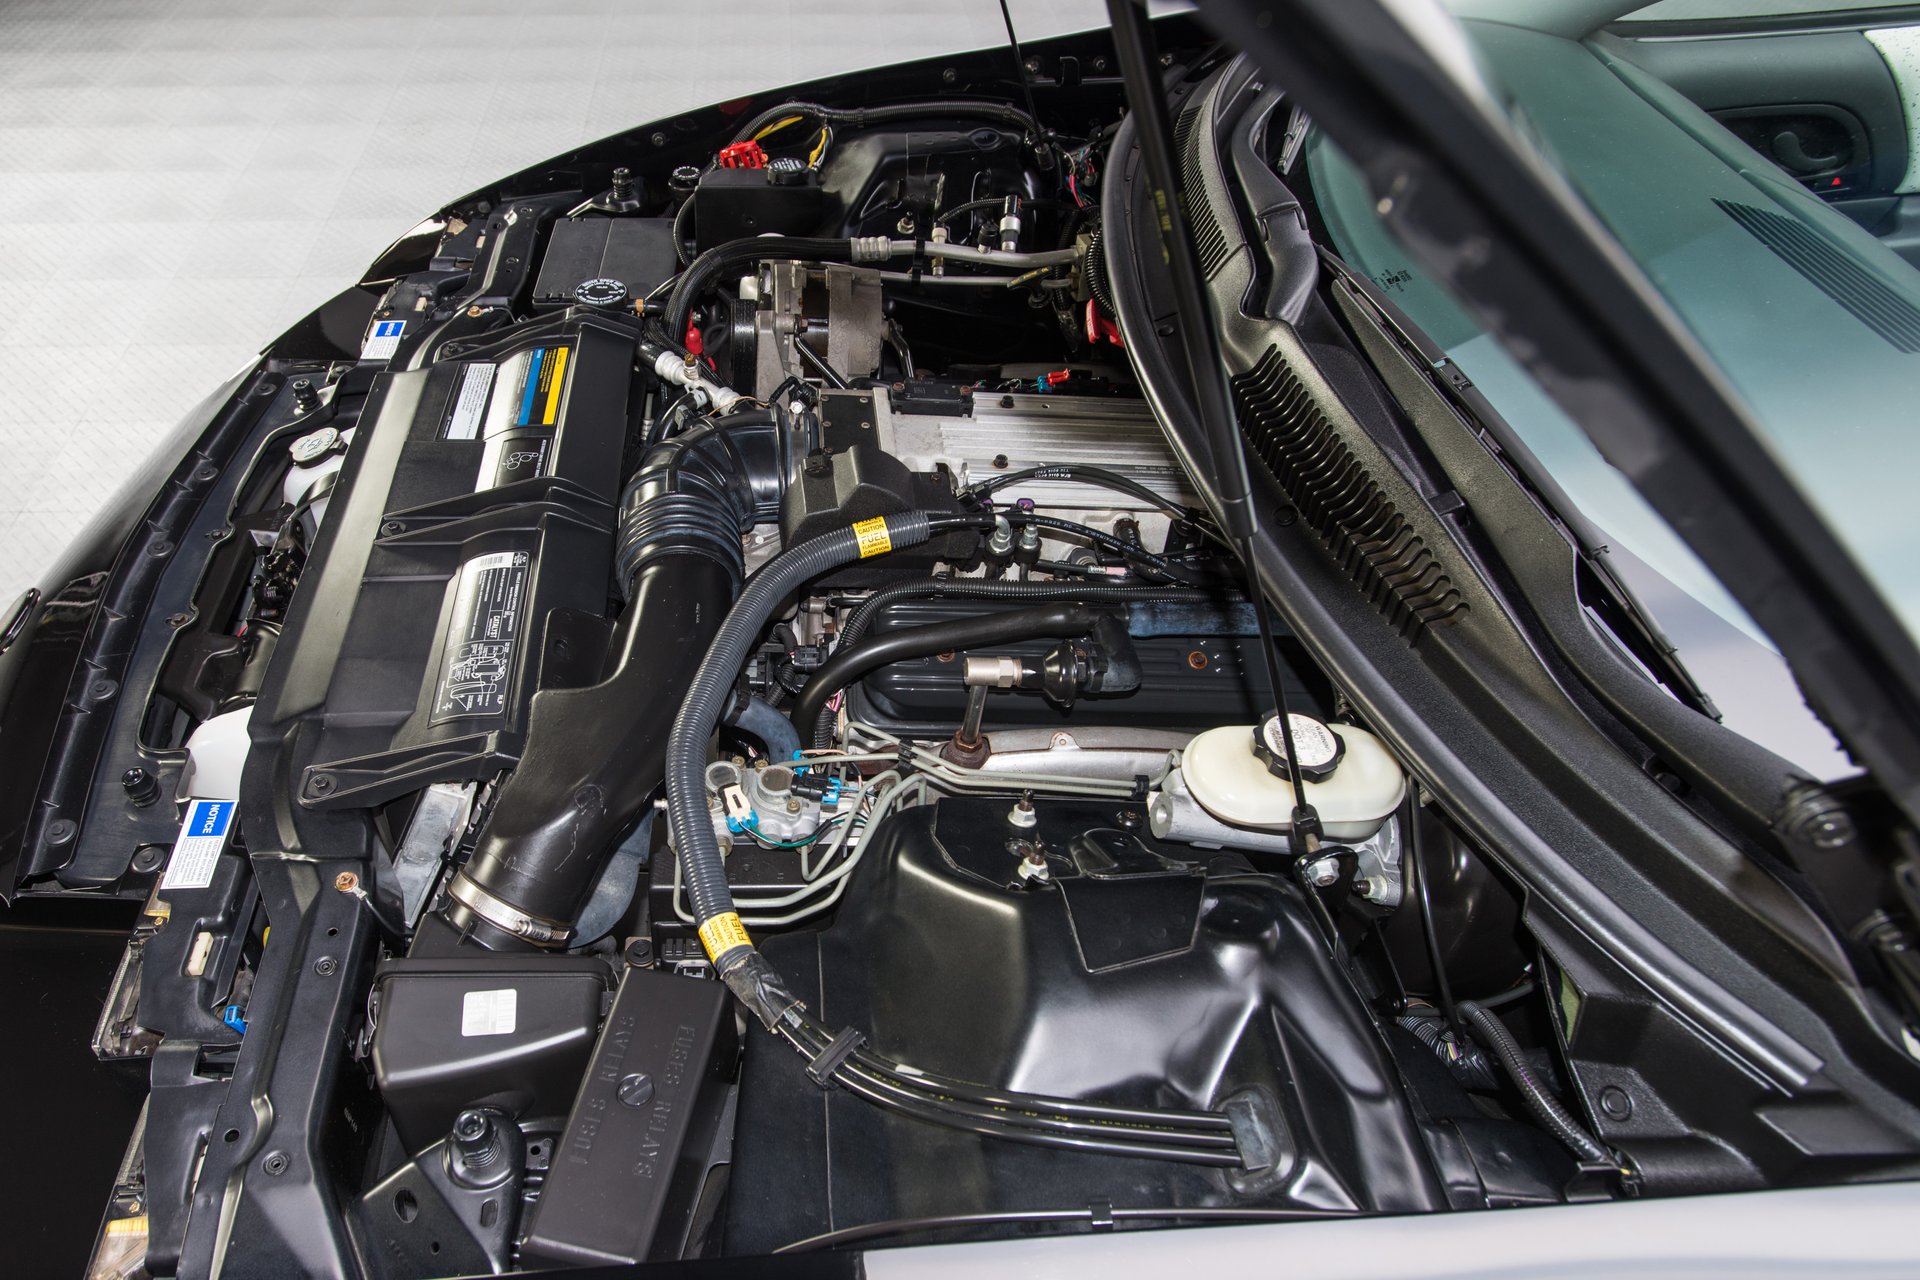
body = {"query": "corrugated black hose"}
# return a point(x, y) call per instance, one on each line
point(1553, 1117)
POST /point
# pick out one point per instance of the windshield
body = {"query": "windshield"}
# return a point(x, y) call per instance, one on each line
point(1813, 321)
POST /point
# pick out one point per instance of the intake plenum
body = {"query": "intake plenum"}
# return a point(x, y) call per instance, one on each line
point(595, 754)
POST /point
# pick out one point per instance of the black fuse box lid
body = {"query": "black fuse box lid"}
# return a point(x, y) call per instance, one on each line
point(627, 1173)
point(638, 252)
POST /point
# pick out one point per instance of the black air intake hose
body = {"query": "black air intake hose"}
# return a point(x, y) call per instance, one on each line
point(701, 491)
point(594, 755)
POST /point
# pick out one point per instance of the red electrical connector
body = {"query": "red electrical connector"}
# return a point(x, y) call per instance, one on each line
point(1100, 329)
point(743, 155)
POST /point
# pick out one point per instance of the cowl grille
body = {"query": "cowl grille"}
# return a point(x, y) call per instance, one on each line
point(1189, 139)
point(1340, 501)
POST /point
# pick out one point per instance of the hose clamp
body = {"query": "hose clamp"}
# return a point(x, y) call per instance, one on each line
point(866, 249)
point(510, 919)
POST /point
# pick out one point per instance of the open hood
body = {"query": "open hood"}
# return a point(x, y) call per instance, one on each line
point(1395, 84)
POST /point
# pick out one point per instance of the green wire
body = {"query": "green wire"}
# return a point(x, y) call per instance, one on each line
point(754, 829)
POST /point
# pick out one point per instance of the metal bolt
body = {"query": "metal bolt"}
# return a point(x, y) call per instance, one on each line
point(635, 1090)
point(276, 1163)
point(905, 225)
point(1197, 660)
point(999, 462)
point(793, 806)
point(325, 966)
point(178, 619)
point(639, 953)
point(1128, 818)
point(945, 655)
point(1831, 830)
point(1033, 66)
point(320, 784)
point(1615, 1104)
point(346, 882)
point(948, 75)
point(1323, 873)
point(214, 535)
point(1099, 64)
point(141, 787)
point(392, 528)
point(305, 398)
point(658, 139)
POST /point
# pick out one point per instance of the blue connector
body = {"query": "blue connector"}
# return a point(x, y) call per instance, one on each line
point(233, 1018)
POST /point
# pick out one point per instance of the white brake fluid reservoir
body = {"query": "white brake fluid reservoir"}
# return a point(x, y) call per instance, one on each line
point(1229, 781)
point(216, 753)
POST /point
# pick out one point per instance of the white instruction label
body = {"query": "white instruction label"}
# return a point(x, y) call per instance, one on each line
point(384, 340)
point(471, 404)
point(490, 1013)
point(203, 837)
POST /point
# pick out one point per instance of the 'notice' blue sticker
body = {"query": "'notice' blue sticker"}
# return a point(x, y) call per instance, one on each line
point(203, 838)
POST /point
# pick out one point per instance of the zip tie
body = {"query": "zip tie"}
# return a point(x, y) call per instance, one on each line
point(821, 1066)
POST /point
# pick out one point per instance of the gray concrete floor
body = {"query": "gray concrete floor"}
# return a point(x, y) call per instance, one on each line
point(180, 180)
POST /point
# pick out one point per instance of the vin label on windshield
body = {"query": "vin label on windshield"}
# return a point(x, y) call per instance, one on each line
point(488, 611)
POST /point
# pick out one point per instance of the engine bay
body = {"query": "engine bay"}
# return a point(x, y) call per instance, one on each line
point(729, 728)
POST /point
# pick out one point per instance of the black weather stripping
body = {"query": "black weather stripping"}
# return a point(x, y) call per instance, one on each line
point(1867, 297)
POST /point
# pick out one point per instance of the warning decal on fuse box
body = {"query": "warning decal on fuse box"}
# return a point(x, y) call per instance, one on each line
point(463, 420)
point(482, 636)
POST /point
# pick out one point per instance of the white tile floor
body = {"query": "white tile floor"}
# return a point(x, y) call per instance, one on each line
point(180, 180)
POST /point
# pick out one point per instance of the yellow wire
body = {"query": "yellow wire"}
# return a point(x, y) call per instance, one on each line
point(819, 147)
point(776, 127)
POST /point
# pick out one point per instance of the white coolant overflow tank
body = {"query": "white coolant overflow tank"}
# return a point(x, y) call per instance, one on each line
point(1234, 773)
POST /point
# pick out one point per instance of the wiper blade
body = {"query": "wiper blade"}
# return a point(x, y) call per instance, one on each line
point(1623, 611)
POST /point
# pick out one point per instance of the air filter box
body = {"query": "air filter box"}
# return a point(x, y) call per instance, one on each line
point(508, 1031)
